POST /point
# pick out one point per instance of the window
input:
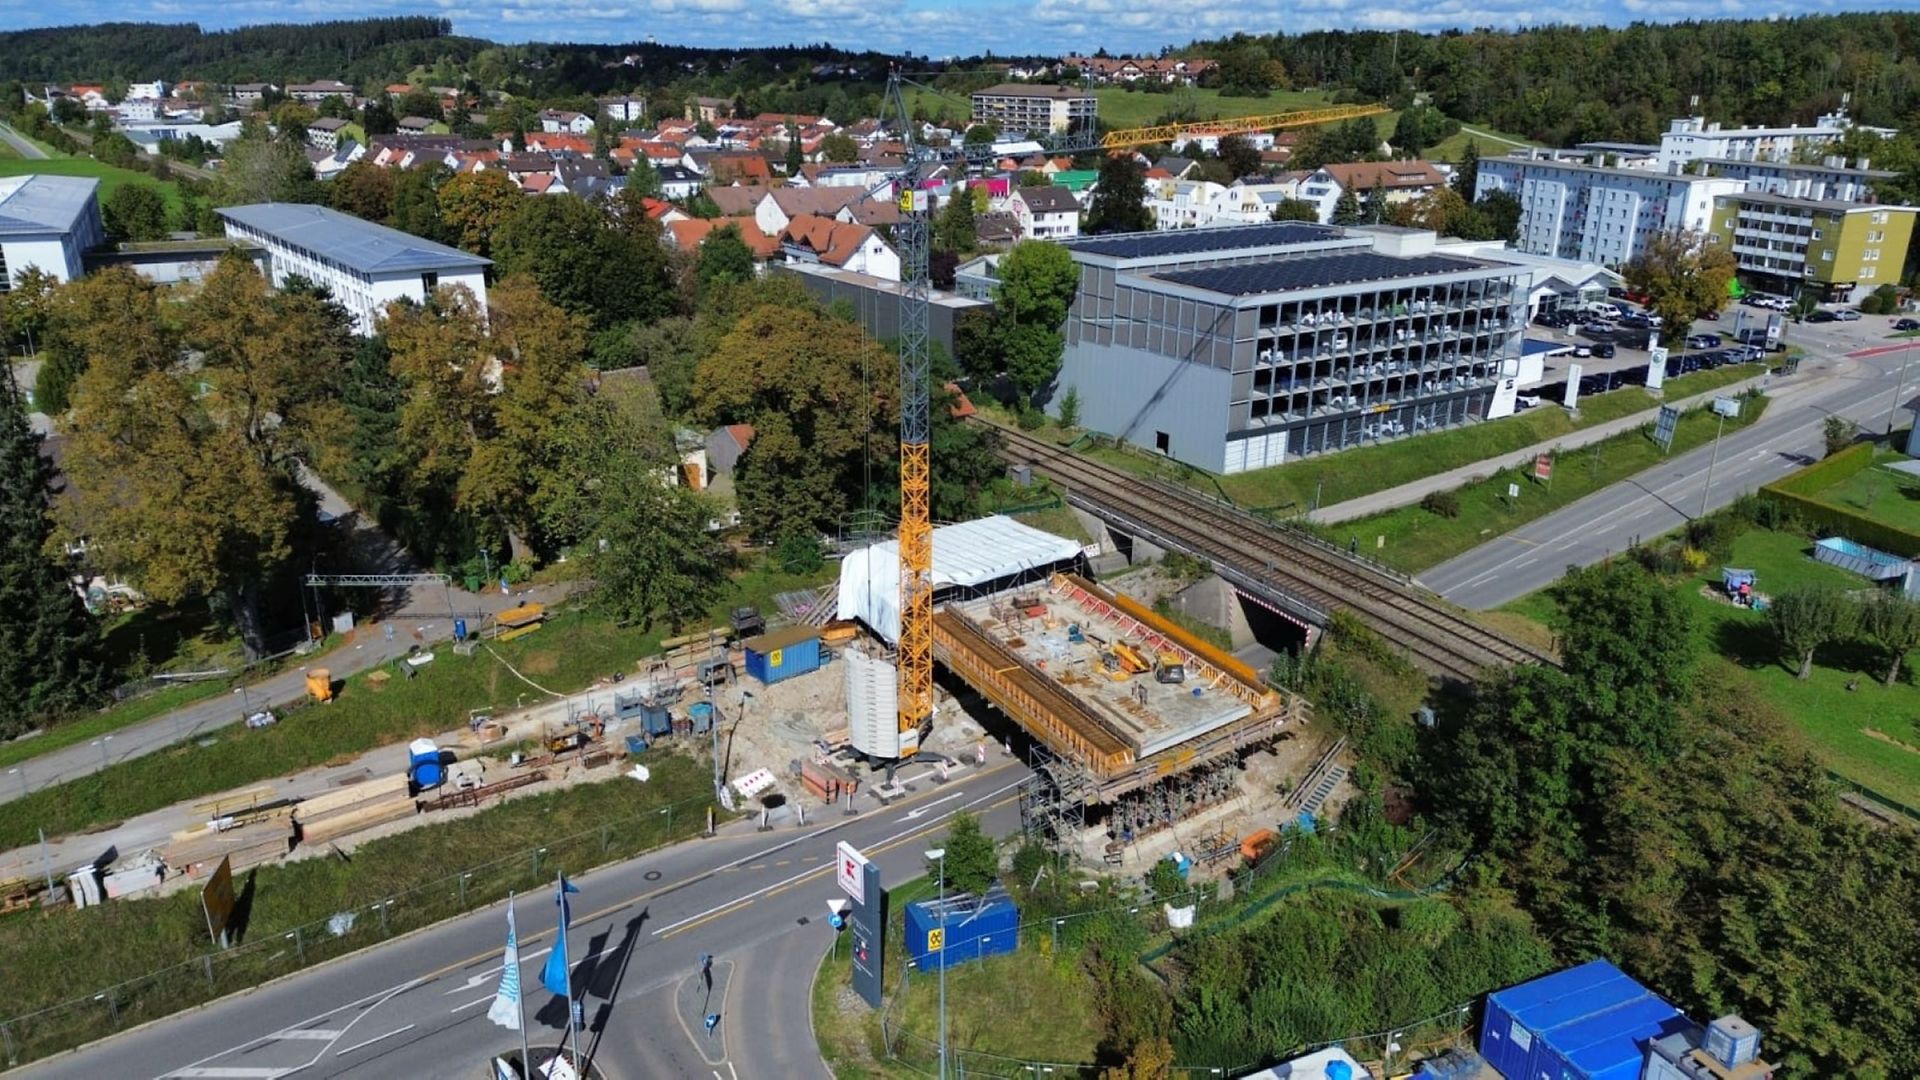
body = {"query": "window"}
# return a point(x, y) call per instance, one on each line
point(429, 281)
point(1868, 272)
point(1876, 236)
point(1871, 255)
point(1816, 234)
point(1163, 442)
point(1826, 255)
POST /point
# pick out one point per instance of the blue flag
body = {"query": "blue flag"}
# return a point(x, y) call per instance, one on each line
point(556, 977)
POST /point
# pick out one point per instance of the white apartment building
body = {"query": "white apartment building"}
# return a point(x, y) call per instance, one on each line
point(1014, 107)
point(1045, 213)
point(1251, 202)
point(147, 91)
point(1693, 138)
point(47, 223)
point(1831, 180)
point(1592, 214)
point(1322, 189)
point(1184, 204)
point(365, 266)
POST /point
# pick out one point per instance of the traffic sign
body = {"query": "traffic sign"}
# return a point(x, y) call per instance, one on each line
point(937, 941)
point(849, 866)
point(1543, 467)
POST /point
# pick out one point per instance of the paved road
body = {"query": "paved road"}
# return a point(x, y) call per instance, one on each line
point(1665, 497)
point(417, 1006)
point(20, 143)
point(423, 616)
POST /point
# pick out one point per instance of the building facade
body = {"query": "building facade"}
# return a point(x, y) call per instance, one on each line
point(1241, 347)
point(1692, 138)
point(366, 266)
point(47, 223)
point(1033, 109)
point(1045, 213)
point(1589, 213)
point(1830, 180)
point(1841, 250)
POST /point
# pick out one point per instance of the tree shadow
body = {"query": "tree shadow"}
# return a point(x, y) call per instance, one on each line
point(1752, 645)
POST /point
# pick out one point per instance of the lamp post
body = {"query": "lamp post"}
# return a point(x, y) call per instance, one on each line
point(939, 855)
point(246, 704)
point(1707, 490)
point(1906, 357)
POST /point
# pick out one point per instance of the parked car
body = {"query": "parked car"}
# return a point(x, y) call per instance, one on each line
point(1603, 350)
point(1847, 315)
point(1704, 341)
point(1582, 350)
point(1638, 320)
point(1600, 328)
point(1906, 324)
point(1823, 316)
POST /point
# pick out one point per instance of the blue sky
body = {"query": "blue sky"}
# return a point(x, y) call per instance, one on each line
point(931, 27)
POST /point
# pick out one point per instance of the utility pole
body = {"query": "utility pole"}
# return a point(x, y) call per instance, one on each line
point(939, 855)
point(1706, 490)
point(1906, 357)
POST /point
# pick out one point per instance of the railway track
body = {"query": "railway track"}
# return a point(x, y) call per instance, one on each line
point(1434, 636)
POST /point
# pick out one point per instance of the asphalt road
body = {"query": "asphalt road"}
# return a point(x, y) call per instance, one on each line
point(1667, 496)
point(417, 1006)
point(15, 140)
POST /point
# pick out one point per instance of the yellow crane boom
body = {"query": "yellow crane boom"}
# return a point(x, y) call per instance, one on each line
point(1238, 125)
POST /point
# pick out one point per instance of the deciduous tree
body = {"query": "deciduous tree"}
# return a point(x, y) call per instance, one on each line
point(135, 212)
point(1037, 283)
point(1806, 617)
point(609, 269)
point(1683, 278)
point(971, 861)
point(1892, 620)
point(364, 190)
point(1119, 198)
point(1295, 210)
point(724, 259)
point(474, 205)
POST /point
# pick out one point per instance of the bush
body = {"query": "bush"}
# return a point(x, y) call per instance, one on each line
point(798, 553)
point(1444, 504)
point(1029, 418)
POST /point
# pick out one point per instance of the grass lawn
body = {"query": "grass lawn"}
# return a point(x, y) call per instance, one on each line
point(990, 1007)
point(1123, 108)
point(7, 152)
point(1834, 719)
point(52, 956)
point(573, 649)
point(1454, 146)
point(1880, 492)
point(1417, 538)
point(110, 178)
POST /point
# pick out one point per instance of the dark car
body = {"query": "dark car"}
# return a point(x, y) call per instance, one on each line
point(1636, 319)
point(1704, 341)
point(1823, 316)
point(1603, 350)
point(1906, 324)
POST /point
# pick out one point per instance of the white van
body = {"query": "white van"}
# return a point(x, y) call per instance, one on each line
point(1602, 310)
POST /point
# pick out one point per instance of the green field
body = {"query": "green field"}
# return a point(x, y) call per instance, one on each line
point(7, 152)
point(1491, 143)
point(1835, 719)
point(1123, 108)
point(1880, 492)
point(1416, 538)
point(110, 178)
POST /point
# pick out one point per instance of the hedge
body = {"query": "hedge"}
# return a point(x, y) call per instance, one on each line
point(1798, 492)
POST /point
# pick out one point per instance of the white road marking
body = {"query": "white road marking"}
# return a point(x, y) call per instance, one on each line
point(234, 1072)
point(369, 1042)
point(321, 1034)
point(918, 812)
point(471, 1004)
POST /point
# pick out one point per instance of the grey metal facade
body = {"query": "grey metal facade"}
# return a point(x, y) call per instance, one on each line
point(1240, 379)
point(876, 302)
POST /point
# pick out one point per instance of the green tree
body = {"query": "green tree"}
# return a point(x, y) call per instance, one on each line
point(971, 861)
point(839, 148)
point(1682, 277)
point(980, 135)
point(609, 270)
point(1239, 157)
point(49, 647)
point(416, 203)
point(364, 190)
point(653, 558)
point(1837, 433)
point(1466, 174)
point(1037, 283)
point(1244, 72)
point(27, 309)
point(1806, 617)
point(1892, 620)
point(1119, 198)
point(670, 350)
point(1295, 210)
point(954, 230)
point(724, 259)
point(643, 179)
point(1499, 216)
point(1070, 408)
point(1346, 209)
point(135, 212)
point(474, 205)
point(795, 157)
point(265, 170)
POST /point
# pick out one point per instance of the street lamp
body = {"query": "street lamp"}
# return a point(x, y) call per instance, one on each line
point(246, 706)
point(939, 855)
point(1906, 357)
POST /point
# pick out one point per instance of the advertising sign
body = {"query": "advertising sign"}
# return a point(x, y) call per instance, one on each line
point(1573, 386)
point(869, 932)
point(1664, 426)
point(847, 866)
point(1656, 367)
point(217, 901)
point(1543, 467)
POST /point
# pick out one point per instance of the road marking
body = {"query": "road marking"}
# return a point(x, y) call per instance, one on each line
point(471, 1004)
point(916, 813)
point(375, 1039)
point(319, 1034)
point(236, 1072)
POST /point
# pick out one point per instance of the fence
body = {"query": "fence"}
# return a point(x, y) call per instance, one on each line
point(1800, 493)
point(1891, 805)
point(161, 993)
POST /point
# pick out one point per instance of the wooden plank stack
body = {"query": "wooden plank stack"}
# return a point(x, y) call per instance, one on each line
point(197, 851)
point(344, 811)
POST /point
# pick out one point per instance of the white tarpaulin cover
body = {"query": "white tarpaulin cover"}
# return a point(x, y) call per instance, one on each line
point(970, 553)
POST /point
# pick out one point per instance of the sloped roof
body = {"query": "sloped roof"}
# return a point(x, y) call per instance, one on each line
point(38, 204)
point(740, 199)
point(824, 201)
point(833, 242)
point(1049, 200)
point(347, 240)
point(690, 233)
point(1367, 175)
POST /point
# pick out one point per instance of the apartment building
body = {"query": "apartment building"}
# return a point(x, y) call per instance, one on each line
point(1840, 250)
point(1831, 179)
point(1045, 213)
point(1693, 138)
point(1184, 204)
point(1240, 347)
point(1590, 213)
point(365, 266)
point(315, 92)
point(1030, 109)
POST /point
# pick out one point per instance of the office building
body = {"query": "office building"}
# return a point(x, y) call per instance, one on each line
point(47, 223)
point(1590, 213)
point(1840, 250)
point(1015, 108)
point(1239, 347)
point(365, 266)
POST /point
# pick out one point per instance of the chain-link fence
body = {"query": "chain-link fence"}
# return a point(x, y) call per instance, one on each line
point(161, 993)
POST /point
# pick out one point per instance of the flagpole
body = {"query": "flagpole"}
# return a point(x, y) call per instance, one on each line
point(572, 1028)
point(526, 1058)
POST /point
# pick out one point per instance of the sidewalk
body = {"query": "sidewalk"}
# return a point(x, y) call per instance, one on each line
point(1410, 493)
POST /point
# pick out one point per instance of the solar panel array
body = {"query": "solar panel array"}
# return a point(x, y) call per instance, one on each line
point(1315, 272)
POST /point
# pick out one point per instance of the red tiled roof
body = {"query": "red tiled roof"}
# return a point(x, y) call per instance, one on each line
point(742, 434)
point(536, 183)
point(834, 242)
point(1392, 175)
point(692, 232)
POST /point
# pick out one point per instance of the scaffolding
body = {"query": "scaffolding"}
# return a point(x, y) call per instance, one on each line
point(1054, 800)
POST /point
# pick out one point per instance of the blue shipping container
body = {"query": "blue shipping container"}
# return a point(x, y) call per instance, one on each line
point(783, 654)
point(1590, 1022)
point(964, 928)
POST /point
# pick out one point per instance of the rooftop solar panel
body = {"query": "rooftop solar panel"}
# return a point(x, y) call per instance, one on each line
point(1154, 245)
point(1315, 272)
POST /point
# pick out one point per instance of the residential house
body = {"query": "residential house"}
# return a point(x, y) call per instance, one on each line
point(1838, 249)
point(726, 444)
point(414, 125)
point(316, 92)
point(1322, 189)
point(1249, 201)
point(586, 177)
point(1397, 181)
point(811, 239)
point(1046, 213)
point(1184, 204)
point(561, 121)
point(1177, 168)
point(1589, 213)
point(1691, 138)
point(324, 132)
point(250, 93)
point(709, 110)
point(679, 182)
point(1016, 108)
point(1170, 70)
point(146, 91)
point(738, 199)
point(781, 205)
point(688, 233)
point(873, 213)
point(996, 229)
point(1830, 179)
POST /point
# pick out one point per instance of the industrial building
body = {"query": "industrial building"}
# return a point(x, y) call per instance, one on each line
point(1591, 213)
point(1034, 109)
point(365, 266)
point(1241, 347)
point(47, 223)
point(1838, 249)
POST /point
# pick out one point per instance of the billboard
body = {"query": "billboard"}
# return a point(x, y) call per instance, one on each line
point(1573, 386)
point(869, 930)
point(848, 870)
point(217, 901)
point(1664, 426)
point(1656, 367)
